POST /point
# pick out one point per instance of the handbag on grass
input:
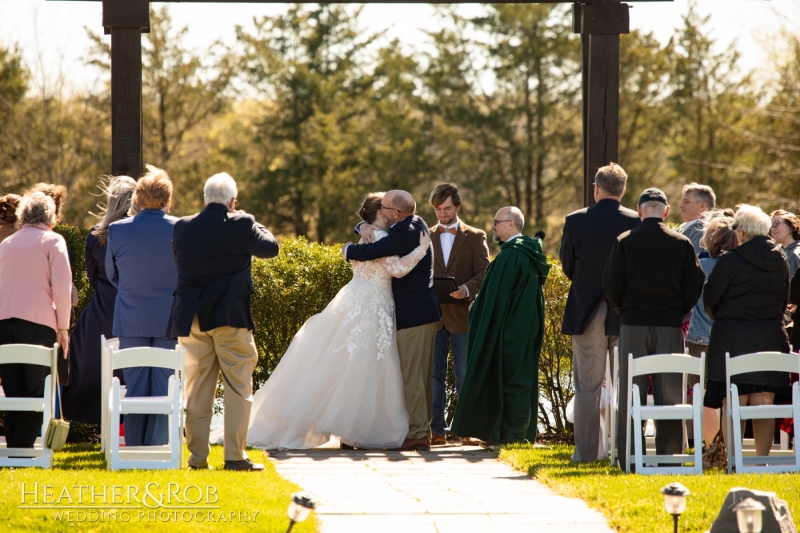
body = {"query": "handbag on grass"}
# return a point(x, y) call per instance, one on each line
point(58, 428)
point(716, 456)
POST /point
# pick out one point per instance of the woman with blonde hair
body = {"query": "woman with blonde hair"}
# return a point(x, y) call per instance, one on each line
point(140, 264)
point(746, 295)
point(35, 280)
point(82, 396)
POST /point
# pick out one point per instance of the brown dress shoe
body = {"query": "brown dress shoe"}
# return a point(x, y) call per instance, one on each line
point(245, 465)
point(415, 444)
point(438, 440)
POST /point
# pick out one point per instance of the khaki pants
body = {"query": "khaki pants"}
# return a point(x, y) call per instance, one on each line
point(416, 356)
point(233, 351)
point(589, 351)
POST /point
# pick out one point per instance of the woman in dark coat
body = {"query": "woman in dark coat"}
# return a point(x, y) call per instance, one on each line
point(82, 396)
point(746, 296)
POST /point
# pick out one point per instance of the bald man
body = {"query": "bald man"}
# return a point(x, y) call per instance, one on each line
point(416, 309)
point(500, 396)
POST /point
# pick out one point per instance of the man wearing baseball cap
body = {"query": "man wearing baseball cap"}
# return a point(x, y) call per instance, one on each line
point(652, 279)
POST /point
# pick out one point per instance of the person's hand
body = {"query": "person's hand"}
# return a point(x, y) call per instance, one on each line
point(460, 294)
point(367, 232)
point(792, 308)
point(344, 249)
point(62, 337)
point(424, 240)
point(74, 295)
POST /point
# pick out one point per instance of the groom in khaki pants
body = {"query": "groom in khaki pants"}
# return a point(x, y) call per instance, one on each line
point(416, 308)
point(211, 317)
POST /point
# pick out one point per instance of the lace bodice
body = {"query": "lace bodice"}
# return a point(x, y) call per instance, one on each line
point(384, 269)
point(368, 304)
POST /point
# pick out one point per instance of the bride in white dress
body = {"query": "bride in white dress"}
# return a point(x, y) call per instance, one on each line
point(341, 374)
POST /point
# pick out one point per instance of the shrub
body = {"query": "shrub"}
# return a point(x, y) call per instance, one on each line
point(289, 289)
point(76, 245)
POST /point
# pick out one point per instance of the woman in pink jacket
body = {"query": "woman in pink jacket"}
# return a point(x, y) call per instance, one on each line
point(35, 283)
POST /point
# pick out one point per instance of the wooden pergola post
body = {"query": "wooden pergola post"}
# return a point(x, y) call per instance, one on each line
point(600, 23)
point(125, 20)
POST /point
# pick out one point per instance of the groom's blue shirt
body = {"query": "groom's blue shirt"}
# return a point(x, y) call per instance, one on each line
point(414, 297)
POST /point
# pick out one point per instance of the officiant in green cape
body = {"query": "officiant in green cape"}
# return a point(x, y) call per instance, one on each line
point(499, 399)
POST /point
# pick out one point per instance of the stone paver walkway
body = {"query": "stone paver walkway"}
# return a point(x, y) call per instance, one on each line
point(458, 489)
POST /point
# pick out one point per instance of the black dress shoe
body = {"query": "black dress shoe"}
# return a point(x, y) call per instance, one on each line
point(204, 467)
point(246, 465)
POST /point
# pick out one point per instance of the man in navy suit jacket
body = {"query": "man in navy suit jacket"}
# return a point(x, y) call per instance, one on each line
point(140, 265)
point(589, 235)
point(211, 317)
point(416, 307)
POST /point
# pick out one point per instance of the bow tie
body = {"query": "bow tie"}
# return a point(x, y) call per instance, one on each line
point(442, 229)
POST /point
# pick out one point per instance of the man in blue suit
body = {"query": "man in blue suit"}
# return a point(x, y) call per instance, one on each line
point(140, 264)
point(416, 308)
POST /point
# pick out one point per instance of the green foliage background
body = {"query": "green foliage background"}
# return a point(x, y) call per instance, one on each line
point(306, 276)
point(309, 111)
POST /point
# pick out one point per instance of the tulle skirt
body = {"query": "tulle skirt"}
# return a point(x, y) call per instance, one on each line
point(340, 377)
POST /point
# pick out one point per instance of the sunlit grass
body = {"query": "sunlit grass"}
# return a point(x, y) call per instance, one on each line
point(247, 501)
point(633, 503)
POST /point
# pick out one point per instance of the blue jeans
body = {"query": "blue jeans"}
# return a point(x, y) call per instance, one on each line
point(146, 430)
point(456, 343)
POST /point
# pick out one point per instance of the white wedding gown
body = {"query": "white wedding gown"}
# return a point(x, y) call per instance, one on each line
point(341, 374)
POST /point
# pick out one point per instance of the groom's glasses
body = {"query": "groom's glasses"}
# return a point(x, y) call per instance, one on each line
point(391, 209)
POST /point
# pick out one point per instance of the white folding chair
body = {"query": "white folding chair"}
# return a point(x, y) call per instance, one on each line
point(613, 404)
point(40, 455)
point(169, 456)
point(736, 413)
point(658, 364)
point(105, 388)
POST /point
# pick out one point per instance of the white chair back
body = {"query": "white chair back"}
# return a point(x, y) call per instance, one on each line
point(105, 388)
point(169, 456)
point(39, 456)
point(736, 414)
point(673, 363)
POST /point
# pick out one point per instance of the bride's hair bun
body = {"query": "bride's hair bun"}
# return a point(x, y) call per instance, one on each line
point(370, 206)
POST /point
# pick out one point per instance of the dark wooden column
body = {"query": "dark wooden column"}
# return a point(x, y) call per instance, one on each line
point(125, 20)
point(600, 25)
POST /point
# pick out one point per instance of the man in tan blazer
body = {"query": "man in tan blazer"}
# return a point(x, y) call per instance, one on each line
point(459, 251)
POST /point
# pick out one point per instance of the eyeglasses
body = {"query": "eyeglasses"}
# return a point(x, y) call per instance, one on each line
point(776, 224)
point(496, 222)
point(390, 208)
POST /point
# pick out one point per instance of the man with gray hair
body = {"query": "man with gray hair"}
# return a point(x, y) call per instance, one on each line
point(696, 199)
point(211, 317)
point(652, 279)
point(587, 239)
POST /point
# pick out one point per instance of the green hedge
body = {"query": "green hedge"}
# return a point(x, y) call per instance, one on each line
point(306, 276)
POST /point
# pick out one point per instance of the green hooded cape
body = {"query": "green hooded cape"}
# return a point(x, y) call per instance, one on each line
point(500, 396)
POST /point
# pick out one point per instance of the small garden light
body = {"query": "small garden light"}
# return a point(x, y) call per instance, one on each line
point(748, 515)
point(300, 508)
point(675, 501)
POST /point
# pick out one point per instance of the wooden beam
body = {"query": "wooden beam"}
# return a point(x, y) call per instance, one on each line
point(126, 102)
point(602, 113)
point(126, 14)
point(609, 19)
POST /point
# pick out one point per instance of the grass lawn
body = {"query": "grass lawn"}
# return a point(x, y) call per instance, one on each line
point(157, 500)
point(633, 503)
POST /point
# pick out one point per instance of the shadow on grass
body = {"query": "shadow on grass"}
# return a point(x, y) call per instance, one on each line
point(80, 457)
point(555, 459)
